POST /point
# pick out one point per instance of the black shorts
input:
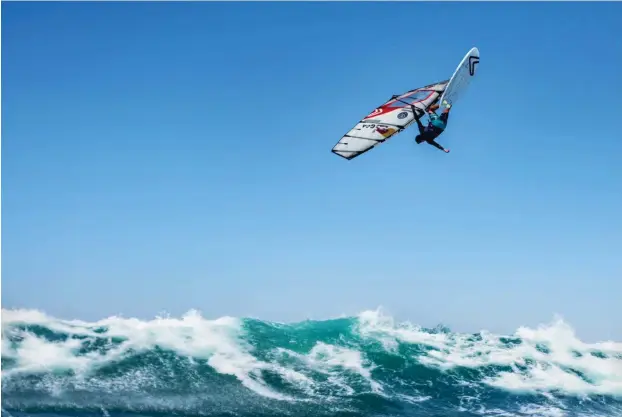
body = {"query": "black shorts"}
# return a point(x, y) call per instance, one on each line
point(430, 135)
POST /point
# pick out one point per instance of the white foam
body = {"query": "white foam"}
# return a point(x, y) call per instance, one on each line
point(383, 328)
point(218, 341)
point(544, 372)
point(330, 360)
point(541, 411)
point(325, 356)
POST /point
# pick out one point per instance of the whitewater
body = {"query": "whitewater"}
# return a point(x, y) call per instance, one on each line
point(367, 365)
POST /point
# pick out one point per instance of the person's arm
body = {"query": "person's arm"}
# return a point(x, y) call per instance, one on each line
point(419, 125)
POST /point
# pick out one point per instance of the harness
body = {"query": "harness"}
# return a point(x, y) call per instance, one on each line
point(433, 127)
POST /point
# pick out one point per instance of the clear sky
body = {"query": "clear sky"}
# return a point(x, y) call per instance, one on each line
point(168, 156)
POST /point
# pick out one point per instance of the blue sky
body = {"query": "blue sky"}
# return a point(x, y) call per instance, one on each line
point(168, 156)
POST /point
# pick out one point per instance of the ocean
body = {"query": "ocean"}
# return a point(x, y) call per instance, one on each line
point(367, 365)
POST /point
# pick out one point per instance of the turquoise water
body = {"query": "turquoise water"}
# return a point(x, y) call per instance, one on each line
point(367, 365)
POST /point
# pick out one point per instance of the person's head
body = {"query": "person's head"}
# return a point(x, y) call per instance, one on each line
point(418, 139)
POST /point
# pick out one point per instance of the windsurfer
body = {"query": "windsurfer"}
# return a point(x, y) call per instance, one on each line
point(435, 127)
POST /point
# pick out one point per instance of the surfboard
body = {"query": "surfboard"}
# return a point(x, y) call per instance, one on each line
point(461, 78)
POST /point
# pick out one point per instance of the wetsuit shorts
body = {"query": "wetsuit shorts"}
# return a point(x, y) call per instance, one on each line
point(436, 126)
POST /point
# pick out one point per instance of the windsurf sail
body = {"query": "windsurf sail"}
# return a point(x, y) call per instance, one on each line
point(388, 120)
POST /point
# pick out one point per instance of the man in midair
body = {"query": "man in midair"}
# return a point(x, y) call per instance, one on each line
point(435, 127)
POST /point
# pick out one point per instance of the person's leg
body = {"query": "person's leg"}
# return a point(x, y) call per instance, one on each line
point(437, 145)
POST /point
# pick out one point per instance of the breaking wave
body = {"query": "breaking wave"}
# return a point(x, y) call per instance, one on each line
point(367, 365)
